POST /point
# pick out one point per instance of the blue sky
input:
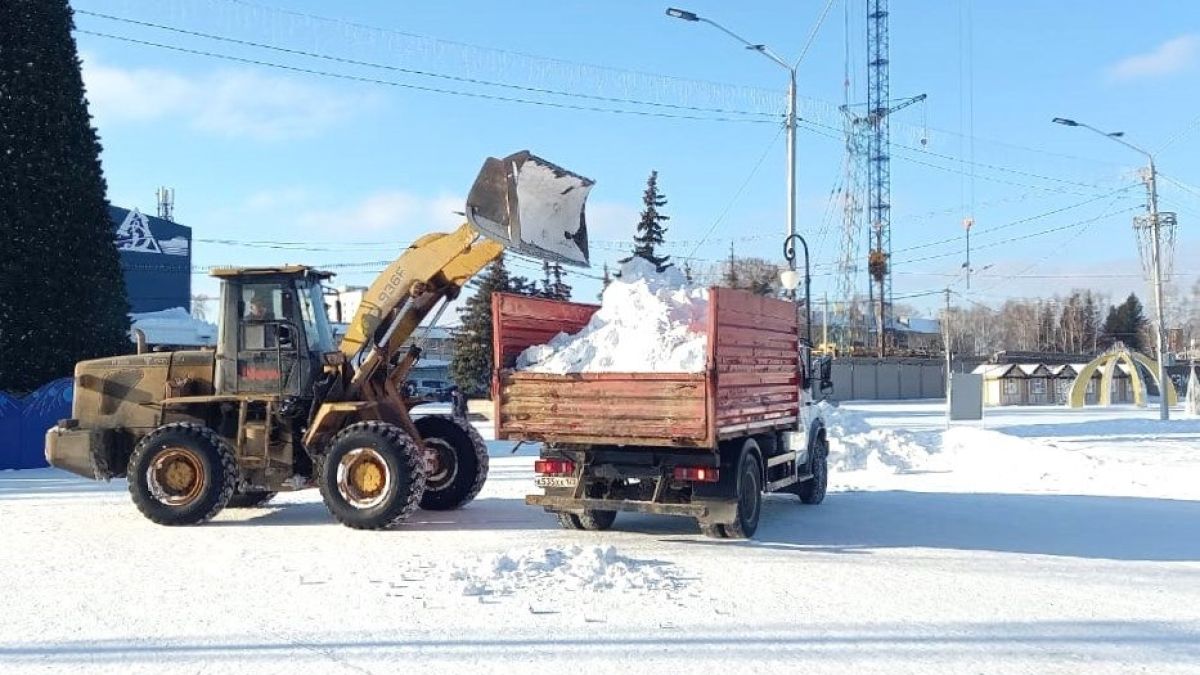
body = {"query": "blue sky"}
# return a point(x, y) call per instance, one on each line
point(352, 170)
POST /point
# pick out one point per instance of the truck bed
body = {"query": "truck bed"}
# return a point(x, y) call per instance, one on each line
point(751, 382)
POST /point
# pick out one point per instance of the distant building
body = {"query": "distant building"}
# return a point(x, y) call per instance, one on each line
point(156, 257)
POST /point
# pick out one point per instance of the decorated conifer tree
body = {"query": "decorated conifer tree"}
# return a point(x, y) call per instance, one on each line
point(62, 292)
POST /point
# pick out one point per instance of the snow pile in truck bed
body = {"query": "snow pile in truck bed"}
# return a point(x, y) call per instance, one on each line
point(648, 322)
point(593, 568)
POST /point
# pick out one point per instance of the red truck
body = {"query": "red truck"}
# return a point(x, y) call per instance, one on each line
point(703, 445)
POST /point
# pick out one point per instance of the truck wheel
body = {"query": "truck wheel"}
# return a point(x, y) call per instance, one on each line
point(588, 520)
point(749, 494)
point(373, 476)
point(461, 465)
point(182, 474)
point(249, 499)
point(812, 491)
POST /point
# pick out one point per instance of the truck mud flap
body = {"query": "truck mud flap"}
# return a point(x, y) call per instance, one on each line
point(716, 511)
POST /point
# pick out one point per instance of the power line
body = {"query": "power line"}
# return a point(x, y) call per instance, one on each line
point(1023, 236)
point(417, 87)
point(1014, 223)
point(422, 73)
point(822, 130)
point(506, 52)
point(737, 194)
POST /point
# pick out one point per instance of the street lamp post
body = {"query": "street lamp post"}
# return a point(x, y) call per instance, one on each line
point(791, 112)
point(1164, 411)
point(790, 278)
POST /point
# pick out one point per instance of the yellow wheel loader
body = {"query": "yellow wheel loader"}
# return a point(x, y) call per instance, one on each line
point(279, 406)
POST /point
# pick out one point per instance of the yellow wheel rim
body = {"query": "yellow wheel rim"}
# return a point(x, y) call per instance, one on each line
point(363, 479)
point(176, 476)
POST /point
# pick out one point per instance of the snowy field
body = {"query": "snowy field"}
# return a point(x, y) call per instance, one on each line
point(1043, 540)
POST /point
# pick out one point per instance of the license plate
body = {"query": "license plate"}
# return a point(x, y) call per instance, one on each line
point(555, 481)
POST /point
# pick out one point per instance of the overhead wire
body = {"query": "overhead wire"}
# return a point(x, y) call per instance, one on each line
point(417, 87)
point(421, 73)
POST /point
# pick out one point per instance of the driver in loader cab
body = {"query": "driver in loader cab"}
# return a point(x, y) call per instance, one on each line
point(260, 307)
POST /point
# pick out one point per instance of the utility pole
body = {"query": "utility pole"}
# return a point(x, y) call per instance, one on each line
point(1151, 179)
point(946, 339)
point(1164, 409)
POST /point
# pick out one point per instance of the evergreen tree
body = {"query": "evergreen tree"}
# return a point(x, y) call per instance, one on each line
point(547, 289)
point(62, 292)
point(471, 367)
point(650, 229)
point(730, 278)
point(560, 290)
point(1125, 323)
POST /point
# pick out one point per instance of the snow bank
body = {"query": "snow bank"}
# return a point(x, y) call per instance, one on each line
point(648, 322)
point(595, 568)
point(855, 445)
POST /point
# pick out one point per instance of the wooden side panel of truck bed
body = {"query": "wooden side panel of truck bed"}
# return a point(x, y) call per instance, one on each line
point(750, 384)
point(755, 357)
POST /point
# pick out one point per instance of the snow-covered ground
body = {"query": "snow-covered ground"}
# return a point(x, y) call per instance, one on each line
point(1042, 540)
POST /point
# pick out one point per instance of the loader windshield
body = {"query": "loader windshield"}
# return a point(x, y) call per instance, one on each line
point(316, 318)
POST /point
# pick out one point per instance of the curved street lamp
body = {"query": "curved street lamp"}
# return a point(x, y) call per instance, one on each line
point(789, 279)
point(790, 122)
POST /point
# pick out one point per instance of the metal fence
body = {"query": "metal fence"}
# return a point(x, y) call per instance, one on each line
point(889, 379)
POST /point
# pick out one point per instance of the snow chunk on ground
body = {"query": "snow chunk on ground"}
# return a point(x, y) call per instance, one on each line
point(575, 568)
point(855, 445)
point(648, 322)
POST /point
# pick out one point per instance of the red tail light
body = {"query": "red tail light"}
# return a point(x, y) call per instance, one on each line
point(554, 467)
point(700, 474)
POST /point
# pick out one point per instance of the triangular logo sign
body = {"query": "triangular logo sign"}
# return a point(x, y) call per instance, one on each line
point(134, 234)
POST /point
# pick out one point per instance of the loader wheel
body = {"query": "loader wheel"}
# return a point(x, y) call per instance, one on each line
point(813, 491)
point(588, 520)
point(182, 474)
point(250, 499)
point(373, 476)
point(749, 494)
point(460, 462)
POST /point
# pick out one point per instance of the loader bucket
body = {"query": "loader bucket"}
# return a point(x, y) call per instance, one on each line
point(533, 207)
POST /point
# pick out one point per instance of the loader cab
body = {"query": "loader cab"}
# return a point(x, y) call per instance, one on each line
point(274, 330)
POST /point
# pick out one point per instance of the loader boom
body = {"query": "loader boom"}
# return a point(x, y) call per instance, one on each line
point(433, 269)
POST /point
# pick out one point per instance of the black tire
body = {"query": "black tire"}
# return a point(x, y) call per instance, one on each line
point(462, 462)
point(597, 520)
point(373, 476)
point(182, 474)
point(569, 521)
point(250, 499)
point(588, 520)
point(749, 493)
point(812, 491)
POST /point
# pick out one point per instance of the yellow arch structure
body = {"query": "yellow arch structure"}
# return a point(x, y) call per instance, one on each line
point(1108, 361)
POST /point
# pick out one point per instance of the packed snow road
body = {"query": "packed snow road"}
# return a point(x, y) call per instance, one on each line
point(1041, 541)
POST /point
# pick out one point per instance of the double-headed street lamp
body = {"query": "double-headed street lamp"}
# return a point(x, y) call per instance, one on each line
point(791, 113)
point(1155, 259)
